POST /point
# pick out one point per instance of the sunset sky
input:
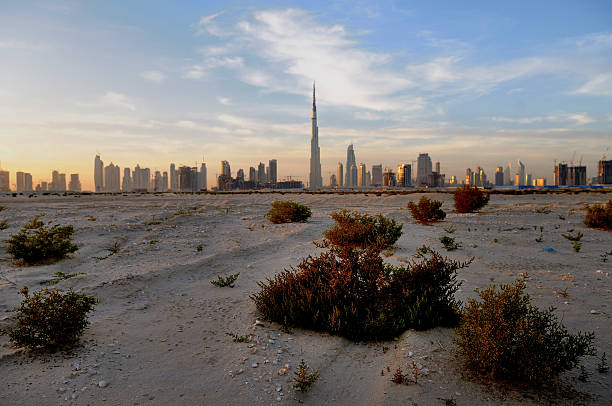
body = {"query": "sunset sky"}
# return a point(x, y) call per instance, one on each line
point(154, 82)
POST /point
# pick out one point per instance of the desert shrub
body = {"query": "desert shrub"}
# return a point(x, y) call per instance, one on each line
point(449, 243)
point(505, 336)
point(303, 379)
point(349, 290)
point(599, 216)
point(60, 276)
point(3, 225)
point(288, 211)
point(427, 210)
point(356, 230)
point(50, 318)
point(37, 242)
point(470, 199)
point(222, 282)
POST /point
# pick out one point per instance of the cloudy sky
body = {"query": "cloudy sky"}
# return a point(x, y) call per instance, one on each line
point(150, 82)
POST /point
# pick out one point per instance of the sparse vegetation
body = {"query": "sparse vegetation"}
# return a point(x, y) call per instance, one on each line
point(469, 199)
point(240, 339)
point(60, 276)
point(599, 216)
point(2, 208)
point(153, 221)
point(304, 379)
point(504, 336)
point(349, 290)
point(50, 318)
point(575, 239)
point(288, 212)
point(450, 229)
point(603, 366)
point(427, 211)
point(449, 243)
point(199, 248)
point(37, 242)
point(112, 250)
point(3, 224)
point(91, 218)
point(228, 281)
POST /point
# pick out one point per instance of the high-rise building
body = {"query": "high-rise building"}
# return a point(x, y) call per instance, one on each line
point(252, 175)
point(389, 178)
point(112, 175)
point(173, 178)
point(225, 169)
point(576, 175)
point(604, 171)
point(58, 182)
point(126, 184)
point(560, 178)
point(316, 181)
point(141, 178)
point(508, 174)
point(261, 173)
point(499, 176)
point(240, 175)
point(165, 181)
point(423, 168)
point(20, 178)
point(75, 183)
point(368, 179)
point(28, 182)
point(188, 179)
point(98, 175)
point(340, 174)
point(5, 178)
point(438, 166)
point(353, 176)
point(332, 181)
point(521, 173)
point(361, 175)
point(202, 185)
point(377, 175)
point(469, 178)
point(404, 175)
point(273, 175)
point(350, 161)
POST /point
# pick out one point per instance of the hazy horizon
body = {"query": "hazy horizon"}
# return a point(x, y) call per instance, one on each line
point(153, 83)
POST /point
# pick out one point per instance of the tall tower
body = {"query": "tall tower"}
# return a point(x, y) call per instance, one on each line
point(350, 161)
point(316, 181)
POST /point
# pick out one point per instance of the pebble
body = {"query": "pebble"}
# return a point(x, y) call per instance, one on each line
point(595, 312)
point(410, 353)
point(102, 384)
point(255, 365)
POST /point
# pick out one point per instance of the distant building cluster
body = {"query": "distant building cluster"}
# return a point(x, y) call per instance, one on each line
point(262, 177)
point(184, 179)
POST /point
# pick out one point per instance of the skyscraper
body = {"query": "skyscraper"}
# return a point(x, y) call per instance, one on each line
point(272, 176)
point(173, 178)
point(5, 177)
point(98, 175)
point(225, 169)
point(127, 184)
point(423, 168)
point(202, 177)
point(75, 183)
point(28, 182)
point(316, 181)
point(20, 177)
point(604, 171)
point(350, 161)
point(499, 176)
point(261, 173)
point(340, 175)
point(521, 173)
point(252, 174)
point(377, 175)
point(112, 173)
point(354, 176)
point(404, 175)
point(361, 175)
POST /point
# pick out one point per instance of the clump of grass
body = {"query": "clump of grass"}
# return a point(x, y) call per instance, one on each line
point(240, 339)
point(604, 256)
point(599, 216)
point(37, 242)
point(504, 336)
point(2, 207)
point(603, 366)
point(427, 211)
point(60, 276)
point(50, 318)
point(3, 224)
point(423, 251)
point(288, 212)
point(542, 210)
point(449, 243)
point(348, 290)
point(575, 239)
point(450, 229)
point(304, 379)
point(199, 248)
point(469, 199)
point(228, 281)
point(152, 222)
point(112, 250)
point(91, 218)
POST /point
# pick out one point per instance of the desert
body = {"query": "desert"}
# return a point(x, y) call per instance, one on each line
point(161, 333)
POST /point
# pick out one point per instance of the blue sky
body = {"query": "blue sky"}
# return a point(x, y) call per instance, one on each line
point(157, 82)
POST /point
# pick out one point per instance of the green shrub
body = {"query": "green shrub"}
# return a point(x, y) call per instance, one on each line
point(60, 276)
point(288, 212)
point(427, 211)
point(349, 290)
point(303, 380)
point(3, 225)
point(504, 336)
point(222, 282)
point(469, 199)
point(356, 230)
point(50, 318)
point(449, 243)
point(37, 242)
point(599, 216)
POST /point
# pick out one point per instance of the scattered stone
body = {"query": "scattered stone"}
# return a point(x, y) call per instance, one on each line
point(259, 323)
point(255, 365)
point(102, 384)
point(595, 312)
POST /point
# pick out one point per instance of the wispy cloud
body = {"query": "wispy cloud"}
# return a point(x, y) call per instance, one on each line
point(601, 85)
point(207, 25)
point(579, 118)
point(20, 45)
point(224, 100)
point(153, 76)
point(118, 100)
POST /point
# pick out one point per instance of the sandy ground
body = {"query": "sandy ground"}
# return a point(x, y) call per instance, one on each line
point(158, 335)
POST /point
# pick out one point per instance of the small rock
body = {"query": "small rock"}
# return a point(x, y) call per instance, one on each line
point(595, 312)
point(255, 365)
point(102, 384)
point(240, 371)
point(410, 353)
point(278, 398)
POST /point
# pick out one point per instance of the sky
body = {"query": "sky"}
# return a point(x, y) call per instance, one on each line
point(155, 82)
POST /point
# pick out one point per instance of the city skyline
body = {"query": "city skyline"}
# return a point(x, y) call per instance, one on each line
point(222, 75)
